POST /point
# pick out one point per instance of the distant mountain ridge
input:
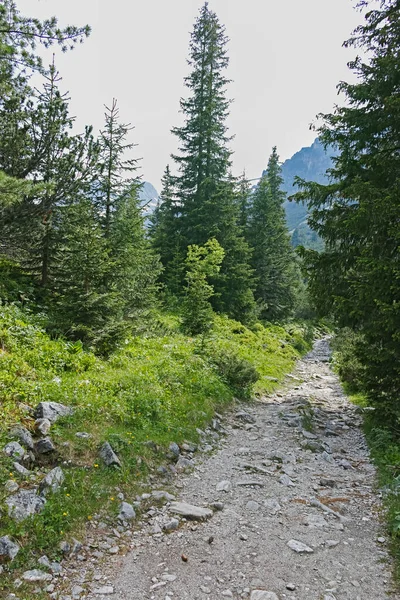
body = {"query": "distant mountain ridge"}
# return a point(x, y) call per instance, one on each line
point(311, 164)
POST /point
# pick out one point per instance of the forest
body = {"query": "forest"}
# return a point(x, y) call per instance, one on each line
point(148, 325)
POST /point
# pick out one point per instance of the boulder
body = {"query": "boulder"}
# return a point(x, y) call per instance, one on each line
point(14, 450)
point(52, 482)
point(45, 446)
point(8, 548)
point(52, 411)
point(126, 512)
point(24, 436)
point(22, 471)
point(108, 456)
point(174, 451)
point(24, 504)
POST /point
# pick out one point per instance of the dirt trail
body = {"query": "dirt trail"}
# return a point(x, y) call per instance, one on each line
point(296, 469)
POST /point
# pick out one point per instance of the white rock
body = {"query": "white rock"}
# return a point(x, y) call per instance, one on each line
point(224, 486)
point(189, 511)
point(105, 590)
point(285, 480)
point(24, 504)
point(126, 512)
point(36, 575)
point(263, 595)
point(252, 506)
point(299, 547)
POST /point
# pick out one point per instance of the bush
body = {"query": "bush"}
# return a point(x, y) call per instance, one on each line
point(346, 362)
point(240, 374)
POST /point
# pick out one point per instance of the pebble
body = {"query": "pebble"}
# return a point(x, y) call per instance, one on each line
point(263, 595)
point(252, 506)
point(105, 590)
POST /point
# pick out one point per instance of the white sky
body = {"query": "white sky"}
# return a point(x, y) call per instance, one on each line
point(286, 58)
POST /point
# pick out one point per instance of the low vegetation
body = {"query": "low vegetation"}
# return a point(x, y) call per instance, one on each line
point(383, 438)
point(152, 390)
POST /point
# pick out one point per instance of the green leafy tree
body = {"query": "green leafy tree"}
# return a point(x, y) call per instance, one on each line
point(202, 263)
point(206, 192)
point(356, 278)
point(273, 258)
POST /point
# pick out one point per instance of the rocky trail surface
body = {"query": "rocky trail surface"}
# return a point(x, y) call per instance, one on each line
point(285, 509)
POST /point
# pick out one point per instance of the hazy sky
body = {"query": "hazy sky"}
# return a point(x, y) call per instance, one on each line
point(286, 58)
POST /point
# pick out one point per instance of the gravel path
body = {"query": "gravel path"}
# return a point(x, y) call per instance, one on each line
point(299, 521)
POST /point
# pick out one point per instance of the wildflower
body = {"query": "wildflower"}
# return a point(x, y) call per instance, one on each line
point(96, 466)
point(11, 474)
point(65, 514)
point(68, 495)
point(112, 498)
point(90, 517)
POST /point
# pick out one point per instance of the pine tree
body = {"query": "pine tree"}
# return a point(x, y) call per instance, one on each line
point(204, 186)
point(273, 258)
point(356, 278)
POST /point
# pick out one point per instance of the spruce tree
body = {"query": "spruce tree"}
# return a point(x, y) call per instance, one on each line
point(166, 236)
point(115, 170)
point(273, 258)
point(135, 266)
point(357, 276)
point(204, 186)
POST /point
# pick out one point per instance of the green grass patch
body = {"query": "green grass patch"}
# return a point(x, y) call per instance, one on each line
point(158, 387)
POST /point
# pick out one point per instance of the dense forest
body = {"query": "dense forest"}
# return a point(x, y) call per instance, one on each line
point(151, 323)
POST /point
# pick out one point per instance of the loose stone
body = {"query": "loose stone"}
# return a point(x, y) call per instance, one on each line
point(299, 547)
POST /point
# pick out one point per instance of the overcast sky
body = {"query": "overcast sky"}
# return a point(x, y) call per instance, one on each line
point(286, 58)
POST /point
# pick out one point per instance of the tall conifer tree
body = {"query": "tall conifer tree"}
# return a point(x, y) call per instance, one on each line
point(205, 188)
point(273, 258)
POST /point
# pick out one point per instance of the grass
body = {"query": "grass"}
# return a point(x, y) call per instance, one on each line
point(160, 388)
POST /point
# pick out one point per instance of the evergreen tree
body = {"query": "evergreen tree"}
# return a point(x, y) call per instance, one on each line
point(135, 267)
point(83, 308)
point(356, 278)
point(273, 258)
point(204, 186)
point(165, 234)
point(244, 200)
point(115, 177)
point(62, 163)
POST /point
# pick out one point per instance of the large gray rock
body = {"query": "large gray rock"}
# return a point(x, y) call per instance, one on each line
point(8, 548)
point(224, 486)
point(174, 451)
point(52, 411)
point(189, 511)
point(24, 504)
point(126, 512)
point(14, 450)
point(24, 436)
point(108, 456)
point(22, 471)
point(52, 482)
point(45, 446)
point(36, 575)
